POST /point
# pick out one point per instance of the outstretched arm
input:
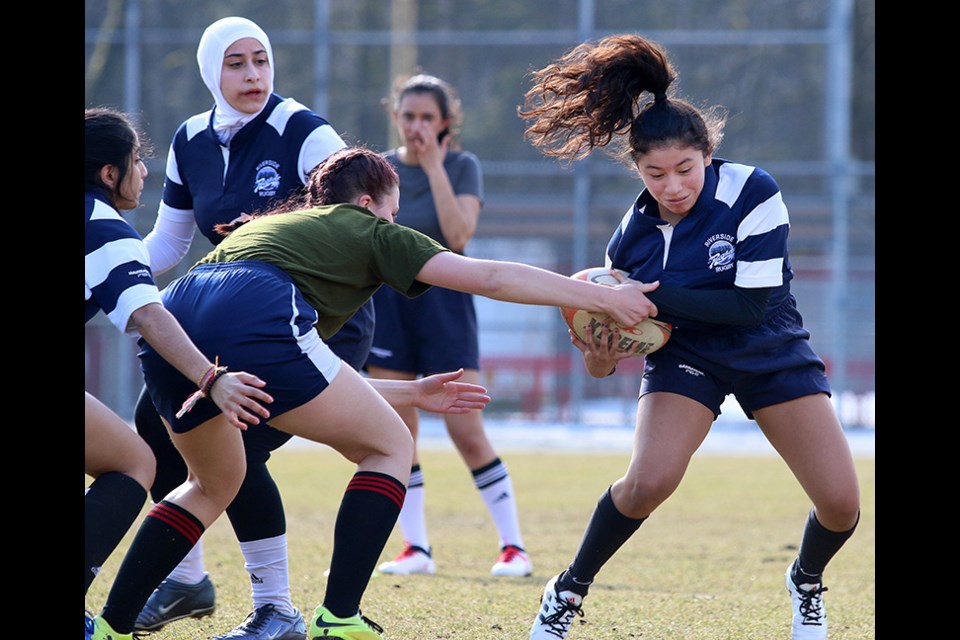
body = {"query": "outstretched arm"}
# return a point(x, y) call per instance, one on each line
point(526, 284)
point(439, 393)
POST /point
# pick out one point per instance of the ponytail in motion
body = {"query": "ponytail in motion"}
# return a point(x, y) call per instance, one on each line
point(617, 86)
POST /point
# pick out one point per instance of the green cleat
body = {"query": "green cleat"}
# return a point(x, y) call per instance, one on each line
point(99, 629)
point(326, 625)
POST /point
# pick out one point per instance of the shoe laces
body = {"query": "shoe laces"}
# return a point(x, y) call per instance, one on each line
point(811, 604)
point(411, 550)
point(558, 622)
point(257, 619)
point(510, 553)
point(373, 625)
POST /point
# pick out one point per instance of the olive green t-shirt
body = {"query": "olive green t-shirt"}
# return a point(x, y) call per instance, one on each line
point(337, 255)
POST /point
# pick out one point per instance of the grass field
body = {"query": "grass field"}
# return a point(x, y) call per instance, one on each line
point(708, 565)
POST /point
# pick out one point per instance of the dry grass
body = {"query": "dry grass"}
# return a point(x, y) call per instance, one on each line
point(708, 565)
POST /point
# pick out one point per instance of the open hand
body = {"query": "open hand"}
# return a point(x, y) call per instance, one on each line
point(238, 395)
point(441, 394)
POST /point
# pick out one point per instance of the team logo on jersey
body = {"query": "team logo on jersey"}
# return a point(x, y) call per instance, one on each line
point(720, 252)
point(267, 182)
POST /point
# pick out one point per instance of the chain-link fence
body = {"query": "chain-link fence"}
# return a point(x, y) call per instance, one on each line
point(796, 77)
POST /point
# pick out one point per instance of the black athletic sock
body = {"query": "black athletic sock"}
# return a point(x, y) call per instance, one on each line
point(110, 506)
point(164, 538)
point(817, 548)
point(607, 531)
point(256, 513)
point(368, 513)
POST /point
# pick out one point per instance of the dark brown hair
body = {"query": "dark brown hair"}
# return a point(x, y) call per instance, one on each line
point(596, 91)
point(109, 138)
point(343, 177)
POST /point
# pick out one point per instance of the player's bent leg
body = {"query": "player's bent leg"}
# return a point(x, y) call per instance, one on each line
point(352, 418)
point(669, 430)
point(807, 434)
point(122, 467)
point(110, 445)
point(215, 458)
point(355, 420)
point(215, 450)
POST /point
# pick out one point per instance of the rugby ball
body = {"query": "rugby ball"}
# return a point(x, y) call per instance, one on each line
point(652, 334)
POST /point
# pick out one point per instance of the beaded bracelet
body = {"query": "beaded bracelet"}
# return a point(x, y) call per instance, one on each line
point(206, 384)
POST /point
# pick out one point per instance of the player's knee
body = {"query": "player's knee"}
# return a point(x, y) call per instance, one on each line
point(637, 497)
point(840, 511)
point(141, 465)
point(221, 488)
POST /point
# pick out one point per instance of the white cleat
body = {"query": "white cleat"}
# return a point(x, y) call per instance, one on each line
point(412, 560)
point(809, 614)
point(557, 610)
point(513, 561)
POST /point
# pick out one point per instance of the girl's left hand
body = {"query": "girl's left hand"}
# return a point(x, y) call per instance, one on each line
point(601, 356)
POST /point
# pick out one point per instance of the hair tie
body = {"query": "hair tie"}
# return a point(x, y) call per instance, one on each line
point(660, 97)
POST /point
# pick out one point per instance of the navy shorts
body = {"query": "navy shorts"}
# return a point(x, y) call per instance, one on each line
point(432, 333)
point(252, 316)
point(667, 371)
point(352, 345)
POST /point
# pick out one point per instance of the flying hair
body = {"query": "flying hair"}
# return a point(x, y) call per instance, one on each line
point(617, 86)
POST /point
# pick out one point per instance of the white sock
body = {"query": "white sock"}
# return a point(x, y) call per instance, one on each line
point(495, 487)
point(412, 520)
point(191, 569)
point(268, 565)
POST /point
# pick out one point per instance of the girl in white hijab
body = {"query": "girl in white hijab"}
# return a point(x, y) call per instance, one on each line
point(217, 38)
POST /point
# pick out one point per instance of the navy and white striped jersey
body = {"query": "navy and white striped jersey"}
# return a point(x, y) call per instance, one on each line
point(265, 162)
point(117, 276)
point(735, 235)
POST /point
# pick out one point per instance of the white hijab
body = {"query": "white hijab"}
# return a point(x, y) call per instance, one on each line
point(213, 45)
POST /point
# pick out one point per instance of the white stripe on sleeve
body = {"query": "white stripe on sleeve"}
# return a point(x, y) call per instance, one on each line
point(760, 274)
point(129, 301)
point(767, 216)
point(99, 263)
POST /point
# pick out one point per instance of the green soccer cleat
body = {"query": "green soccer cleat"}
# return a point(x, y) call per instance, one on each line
point(99, 629)
point(326, 625)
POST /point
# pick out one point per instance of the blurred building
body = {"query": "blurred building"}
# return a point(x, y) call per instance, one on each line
point(798, 80)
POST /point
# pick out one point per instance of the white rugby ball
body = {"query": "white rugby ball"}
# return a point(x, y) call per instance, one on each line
point(652, 334)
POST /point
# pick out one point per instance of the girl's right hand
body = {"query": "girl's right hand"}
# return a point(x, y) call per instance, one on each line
point(237, 395)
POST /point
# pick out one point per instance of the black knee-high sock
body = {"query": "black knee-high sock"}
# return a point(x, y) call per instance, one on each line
point(112, 503)
point(367, 515)
point(164, 538)
point(607, 531)
point(256, 512)
point(817, 548)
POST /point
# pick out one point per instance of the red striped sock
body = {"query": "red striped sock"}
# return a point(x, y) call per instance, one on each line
point(166, 535)
point(366, 518)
